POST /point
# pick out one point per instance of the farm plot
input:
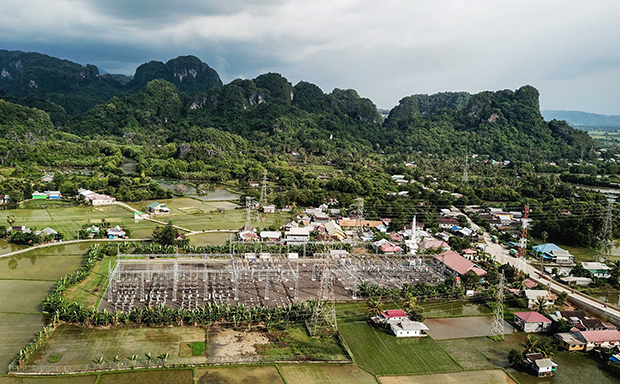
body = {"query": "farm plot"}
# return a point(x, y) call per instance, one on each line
point(481, 352)
point(16, 331)
point(239, 375)
point(454, 308)
point(32, 266)
point(459, 327)
point(174, 376)
point(325, 374)
point(83, 345)
point(384, 354)
point(211, 238)
point(88, 291)
point(79, 379)
point(486, 377)
point(23, 296)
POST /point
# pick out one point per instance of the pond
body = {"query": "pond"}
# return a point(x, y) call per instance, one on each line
point(219, 195)
point(177, 187)
point(458, 308)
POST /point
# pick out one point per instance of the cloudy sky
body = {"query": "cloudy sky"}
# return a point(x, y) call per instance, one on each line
point(387, 49)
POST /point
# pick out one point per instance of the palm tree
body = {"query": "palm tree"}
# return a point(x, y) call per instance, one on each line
point(163, 357)
point(133, 359)
point(409, 302)
point(99, 361)
point(544, 235)
point(10, 219)
point(541, 305)
point(149, 358)
point(374, 306)
point(116, 360)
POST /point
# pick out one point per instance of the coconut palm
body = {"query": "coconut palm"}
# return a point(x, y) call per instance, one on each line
point(133, 358)
point(163, 357)
point(149, 358)
point(99, 361)
point(374, 306)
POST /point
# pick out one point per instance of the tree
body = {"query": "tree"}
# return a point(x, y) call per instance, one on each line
point(471, 280)
point(149, 358)
point(163, 357)
point(165, 235)
point(492, 276)
point(374, 306)
point(544, 235)
point(10, 219)
point(515, 358)
point(562, 296)
point(133, 358)
point(541, 305)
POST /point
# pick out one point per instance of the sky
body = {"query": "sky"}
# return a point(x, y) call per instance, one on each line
point(384, 49)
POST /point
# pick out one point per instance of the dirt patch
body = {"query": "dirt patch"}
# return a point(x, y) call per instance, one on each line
point(228, 344)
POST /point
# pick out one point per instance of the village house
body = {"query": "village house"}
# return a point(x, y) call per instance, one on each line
point(390, 316)
point(157, 208)
point(334, 230)
point(533, 295)
point(39, 195)
point(409, 329)
point(115, 233)
point(19, 228)
point(96, 199)
point(540, 365)
point(434, 244)
point(572, 281)
point(47, 178)
point(53, 195)
point(5, 199)
point(297, 236)
point(447, 222)
point(457, 264)
point(532, 322)
point(469, 254)
point(579, 320)
point(253, 184)
point(598, 270)
point(92, 231)
point(552, 253)
point(320, 217)
point(46, 232)
point(588, 340)
point(270, 235)
point(269, 209)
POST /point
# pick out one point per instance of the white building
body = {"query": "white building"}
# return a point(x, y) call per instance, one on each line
point(270, 235)
point(297, 236)
point(533, 295)
point(409, 329)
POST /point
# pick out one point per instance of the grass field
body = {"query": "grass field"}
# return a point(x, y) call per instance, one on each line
point(239, 375)
point(23, 296)
point(481, 352)
point(83, 345)
point(452, 309)
point(383, 354)
point(170, 376)
point(481, 377)
point(211, 238)
point(325, 374)
point(16, 331)
point(88, 291)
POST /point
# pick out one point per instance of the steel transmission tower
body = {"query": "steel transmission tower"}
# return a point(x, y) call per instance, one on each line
point(606, 232)
point(359, 220)
point(324, 312)
point(248, 213)
point(497, 329)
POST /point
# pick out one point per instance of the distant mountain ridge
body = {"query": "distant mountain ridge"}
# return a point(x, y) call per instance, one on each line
point(78, 88)
point(580, 118)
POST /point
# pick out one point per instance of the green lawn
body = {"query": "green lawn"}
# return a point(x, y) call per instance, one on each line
point(481, 352)
point(211, 238)
point(384, 354)
point(325, 374)
point(88, 291)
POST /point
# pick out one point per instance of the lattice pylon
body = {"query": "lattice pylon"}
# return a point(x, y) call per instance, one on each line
point(324, 312)
point(497, 329)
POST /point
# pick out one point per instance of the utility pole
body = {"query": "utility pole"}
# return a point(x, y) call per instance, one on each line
point(248, 213)
point(607, 232)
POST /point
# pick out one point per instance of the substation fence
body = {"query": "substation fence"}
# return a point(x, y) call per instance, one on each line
point(126, 365)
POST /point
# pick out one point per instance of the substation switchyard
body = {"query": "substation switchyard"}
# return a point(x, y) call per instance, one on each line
point(190, 280)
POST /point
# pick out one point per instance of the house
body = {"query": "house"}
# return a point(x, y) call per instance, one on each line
point(533, 295)
point(92, 231)
point(47, 178)
point(269, 209)
point(46, 232)
point(19, 228)
point(409, 329)
point(253, 184)
point(599, 270)
point(434, 244)
point(5, 199)
point(391, 316)
point(347, 223)
point(579, 320)
point(96, 199)
point(398, 177)
point(532, 322)
point(447, 222)
point(572, 281)
point(320, 217)
point(54, 195)
point(246, 234)
point(540, 365)
point(39, 195)
point(157, 208)
point(115, 233)
point(270, 235)
point(334, 230)
point(457, 264)
point(390, 249)
point(570, 341)
point(469, 254)
point(608, 338)
point(552, 253)
point(297, 235)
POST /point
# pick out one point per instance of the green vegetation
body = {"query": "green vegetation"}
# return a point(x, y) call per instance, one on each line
point(198, 348)
point(295, 341)
point(54, 358)
point(325, 374)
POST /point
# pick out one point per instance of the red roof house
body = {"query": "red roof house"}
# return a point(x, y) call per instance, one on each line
point(458, 263)
point(532, 322)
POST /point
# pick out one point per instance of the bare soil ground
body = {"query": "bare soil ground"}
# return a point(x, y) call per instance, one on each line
point(228, 344)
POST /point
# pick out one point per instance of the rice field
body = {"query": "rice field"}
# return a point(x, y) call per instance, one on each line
point(17, 330)
point(486, 377)
point(240, 375)
point(325, 374)
point(80, 379)
point(481, 352)
point(169, 376)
